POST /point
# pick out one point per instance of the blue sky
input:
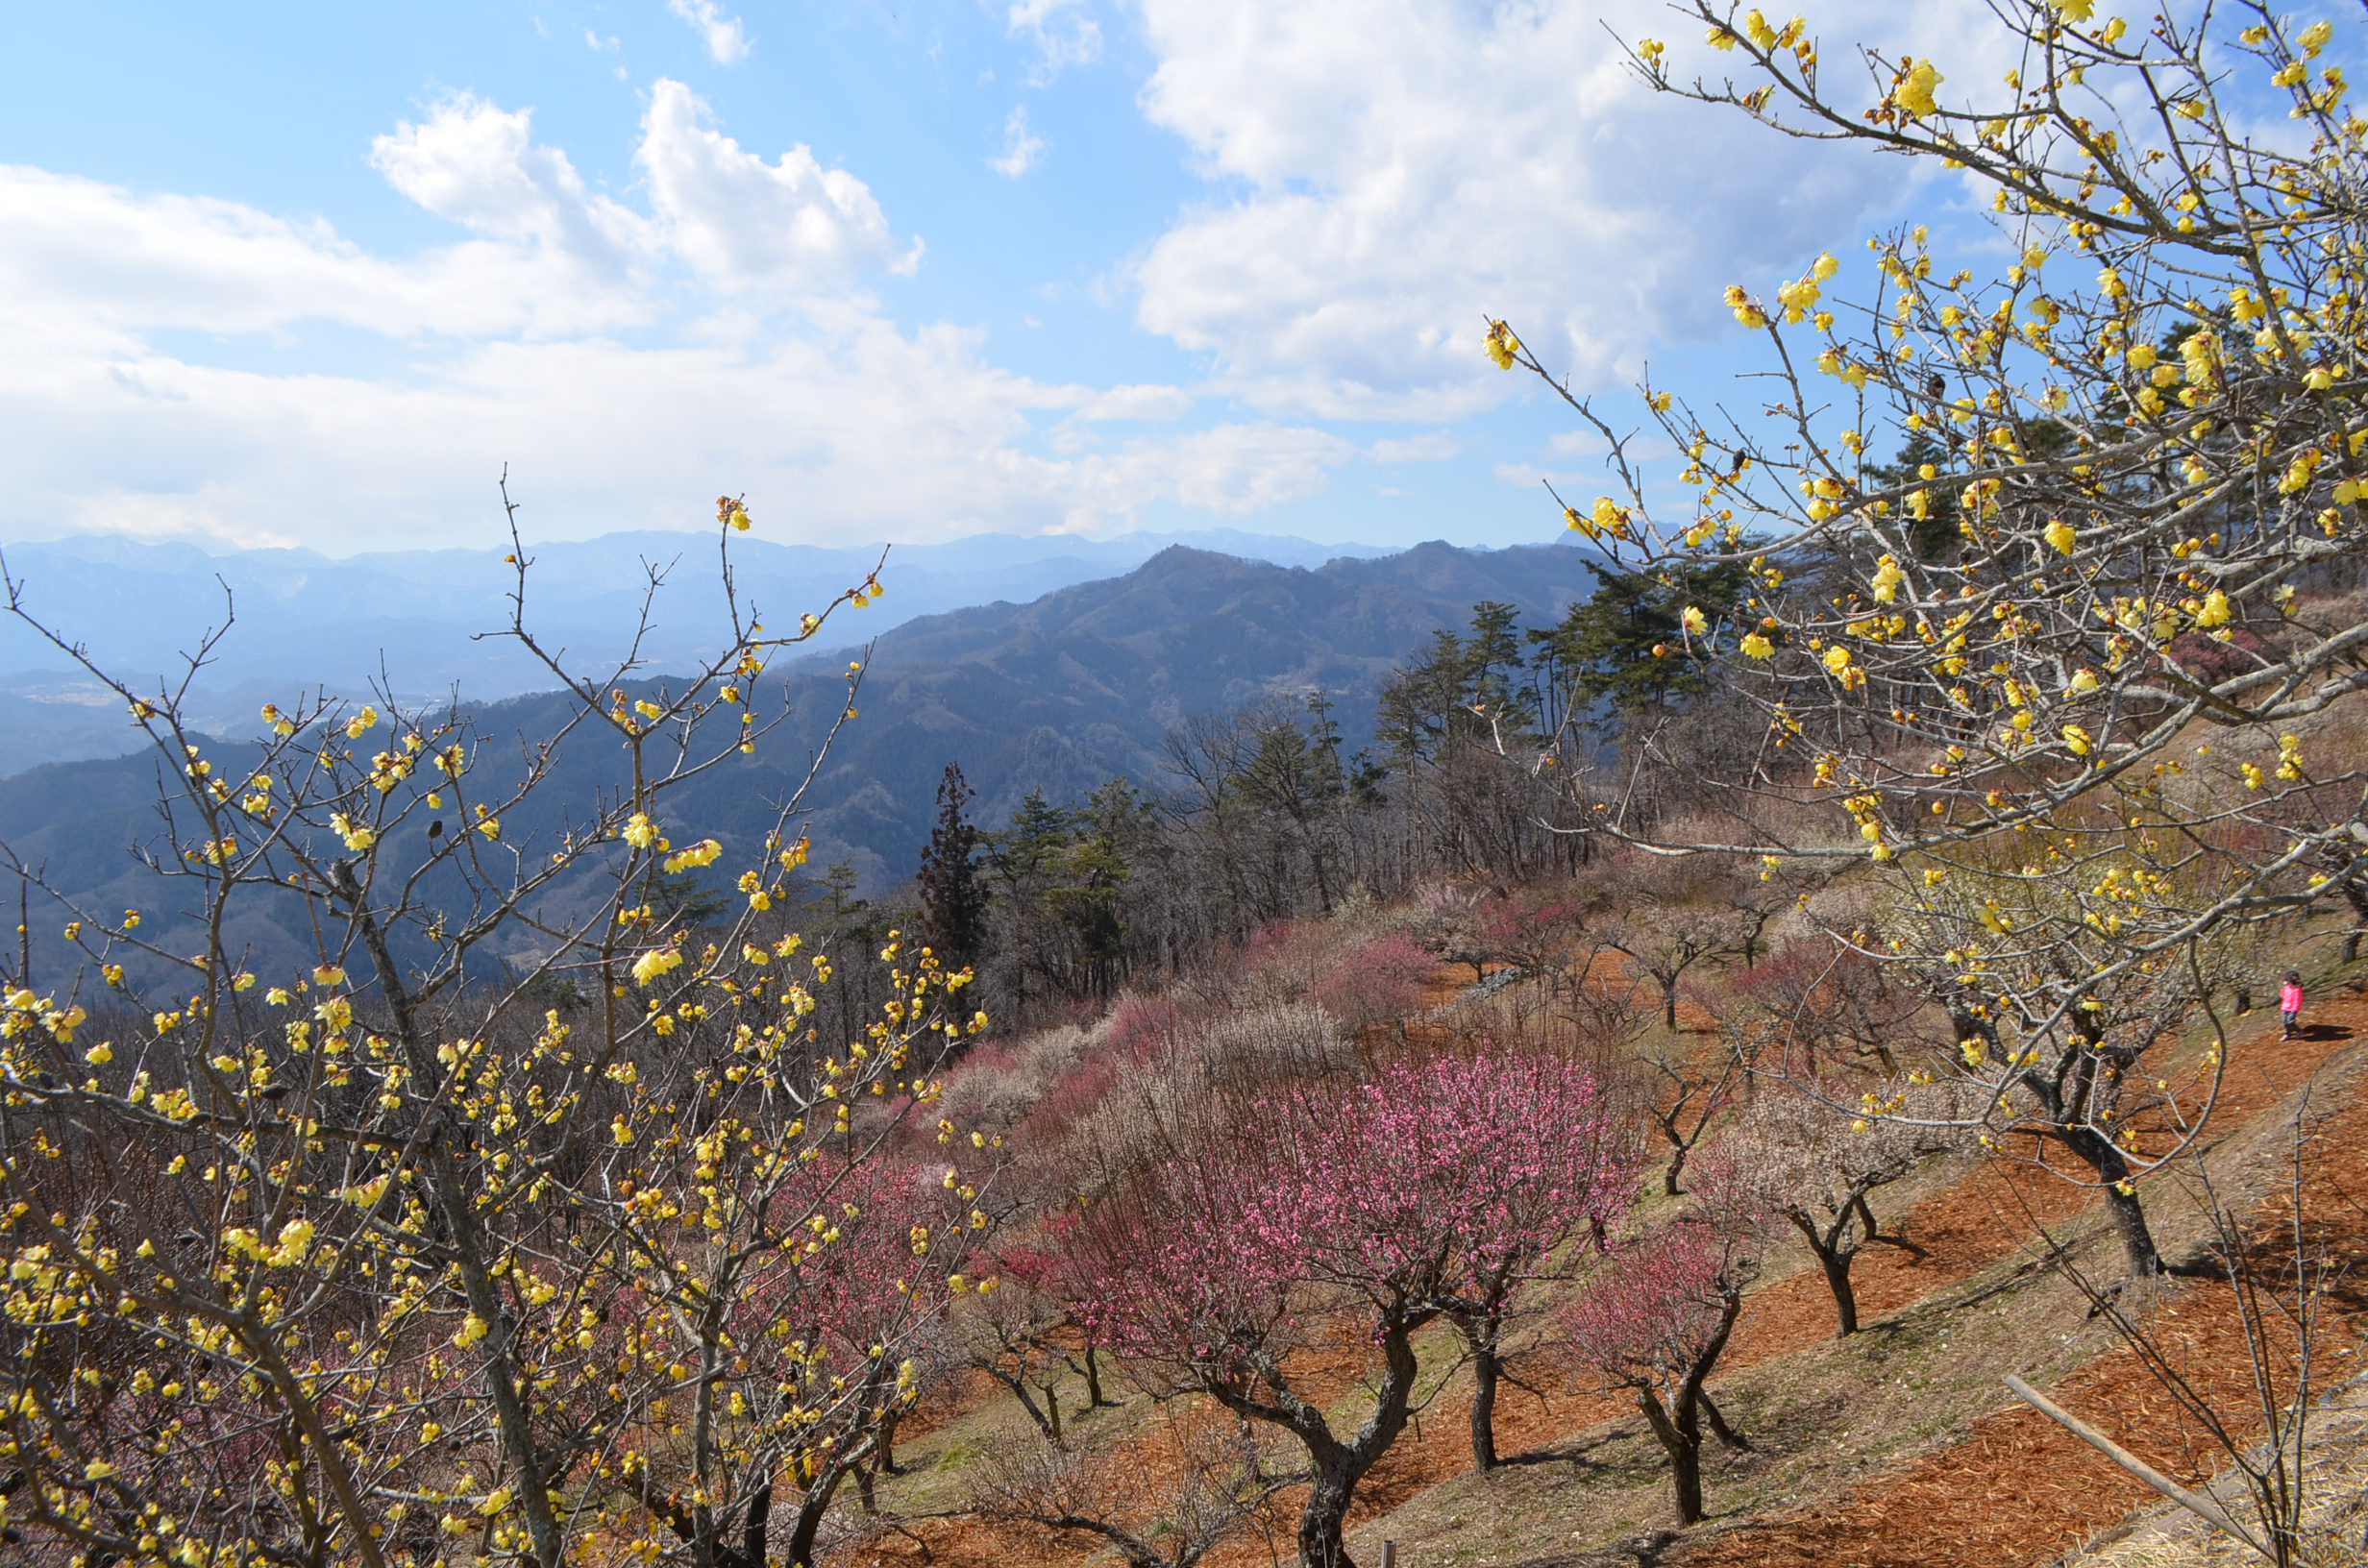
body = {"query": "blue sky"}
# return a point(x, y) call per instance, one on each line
point(898, 269)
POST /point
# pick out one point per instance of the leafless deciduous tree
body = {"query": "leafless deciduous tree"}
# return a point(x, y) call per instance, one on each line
point(1223, 1481)
point(534, 1214)
point(1813, 1159)
point(2048, 670)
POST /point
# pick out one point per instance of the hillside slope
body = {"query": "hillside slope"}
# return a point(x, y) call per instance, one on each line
point(1898, 1446)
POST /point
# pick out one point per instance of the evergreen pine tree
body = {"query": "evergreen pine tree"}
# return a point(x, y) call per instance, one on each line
point(1624, 648)
point(953, 905)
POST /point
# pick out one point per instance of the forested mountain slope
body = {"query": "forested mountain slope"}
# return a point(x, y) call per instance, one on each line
point(1060, 695)
point(415, 614)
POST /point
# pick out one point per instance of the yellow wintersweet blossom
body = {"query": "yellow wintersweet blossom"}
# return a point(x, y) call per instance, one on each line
point(1695, 621)
point(295, 1241)
point(1757, 646)
point(640, 832)
point(1887, 577)
point(658, 961)
point(1745, 310)
point(702, 854)
point(2199, 355)
point(2060, 537)
point(1914, 92)
point(1502, 344)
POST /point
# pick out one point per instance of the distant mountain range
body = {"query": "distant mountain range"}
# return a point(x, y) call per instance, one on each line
point(1063, 693)
point(304, 619)
point(1083, 686)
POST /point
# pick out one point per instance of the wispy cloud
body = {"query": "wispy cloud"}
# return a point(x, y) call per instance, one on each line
point(1063, 33)
point(1023, 148)
point(726, 38)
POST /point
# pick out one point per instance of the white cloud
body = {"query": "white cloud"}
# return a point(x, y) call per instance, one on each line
point(726, 40)
point(745, 223)
point(1023, 148)
point(1430, 447)
point(83, 263)
point(478, 165)
point(838, 424)
point(625, 361)
point(1136, 401)
point(1063, 33)
point(1406, 171)
point(1233, 469)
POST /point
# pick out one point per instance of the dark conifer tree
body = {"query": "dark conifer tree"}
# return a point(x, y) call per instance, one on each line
point(953, 905)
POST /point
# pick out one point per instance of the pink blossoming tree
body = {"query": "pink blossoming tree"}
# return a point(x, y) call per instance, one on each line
point(1655, 1320)
point(1422, 1191)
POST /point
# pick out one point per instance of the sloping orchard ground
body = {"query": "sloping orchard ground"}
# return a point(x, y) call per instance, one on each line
point(2019, 1489)
point(2009, 1488)
point(1898, 1388)
point(2167, 1536)
point(1845, 1406)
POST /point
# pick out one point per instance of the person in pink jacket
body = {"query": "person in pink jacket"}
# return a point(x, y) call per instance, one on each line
point(2290, 1002)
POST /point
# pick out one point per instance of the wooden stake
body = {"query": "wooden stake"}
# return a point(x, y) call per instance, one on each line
point(2203, 1508)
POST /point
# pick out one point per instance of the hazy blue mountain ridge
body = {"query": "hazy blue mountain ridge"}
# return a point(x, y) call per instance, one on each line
point(418, 616)
point(1063, 693)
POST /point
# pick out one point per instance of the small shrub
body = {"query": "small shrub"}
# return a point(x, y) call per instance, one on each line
point(1376, 981)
